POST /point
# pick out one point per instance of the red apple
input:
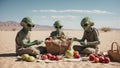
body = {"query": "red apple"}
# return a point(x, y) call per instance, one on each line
point(96, 60)
point(91, 57)
point(53, 57)
point(101, 59)
point(49, 39)
point(58, 58)
point(107, 60)
point(99, 55)
point(49, 55)
point(96, 55)
point(44, 57)
point(75, 52)
point(77, 56)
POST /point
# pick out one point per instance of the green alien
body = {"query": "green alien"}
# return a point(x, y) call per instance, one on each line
point(90, 38)
point(57, 25)
point(23, 43)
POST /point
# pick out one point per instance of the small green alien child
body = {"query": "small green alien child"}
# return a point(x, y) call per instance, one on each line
point(90, 38)
point(57, 25)
point(23, 43)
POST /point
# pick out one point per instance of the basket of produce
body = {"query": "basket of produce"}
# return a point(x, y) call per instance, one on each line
point(57, 45)
point(114, 54)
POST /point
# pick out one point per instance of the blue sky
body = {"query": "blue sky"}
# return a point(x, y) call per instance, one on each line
point(105, 13)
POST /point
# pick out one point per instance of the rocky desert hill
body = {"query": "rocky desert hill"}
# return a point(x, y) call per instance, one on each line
point(13, 26)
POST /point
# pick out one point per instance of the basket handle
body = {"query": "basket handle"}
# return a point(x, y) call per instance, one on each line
point(118, 47)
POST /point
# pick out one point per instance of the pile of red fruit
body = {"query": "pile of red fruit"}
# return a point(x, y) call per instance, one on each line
point(49, 56)
point(99, 58)
point(76, 54)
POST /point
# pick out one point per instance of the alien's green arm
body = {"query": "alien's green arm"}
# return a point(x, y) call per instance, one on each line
point(25, 43)
point(94, 42)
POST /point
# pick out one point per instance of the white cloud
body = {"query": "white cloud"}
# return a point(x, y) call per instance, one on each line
point(66, 17)
point(75, 11)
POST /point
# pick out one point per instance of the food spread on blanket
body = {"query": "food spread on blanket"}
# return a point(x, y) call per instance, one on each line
point(99, 58)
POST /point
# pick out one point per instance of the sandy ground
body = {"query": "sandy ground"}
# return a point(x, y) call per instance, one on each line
point(9, 60)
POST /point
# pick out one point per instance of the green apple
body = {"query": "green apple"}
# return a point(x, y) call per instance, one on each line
point(69, 54)
point(25, 56)
point(30, 59)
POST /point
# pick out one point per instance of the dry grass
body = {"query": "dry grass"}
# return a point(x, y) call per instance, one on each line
point(105, 29)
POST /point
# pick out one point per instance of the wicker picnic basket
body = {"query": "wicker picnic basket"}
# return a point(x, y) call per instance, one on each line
point(114, 54)
point(58, 48)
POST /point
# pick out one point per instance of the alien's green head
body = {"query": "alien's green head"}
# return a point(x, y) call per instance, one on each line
point(86, 23)
point(58, 25)
point(27, 23)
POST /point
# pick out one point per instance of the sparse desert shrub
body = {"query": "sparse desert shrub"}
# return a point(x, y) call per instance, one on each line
point(105, 29)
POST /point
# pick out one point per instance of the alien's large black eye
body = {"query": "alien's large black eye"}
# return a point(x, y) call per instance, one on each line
point(30, 25)
point(58, 27)
point(85, 25)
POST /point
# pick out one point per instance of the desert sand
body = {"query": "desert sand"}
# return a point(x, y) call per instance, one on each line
point(9, 60)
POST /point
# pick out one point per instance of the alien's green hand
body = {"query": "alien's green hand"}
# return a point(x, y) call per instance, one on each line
point(83, 43)
point(37, 42)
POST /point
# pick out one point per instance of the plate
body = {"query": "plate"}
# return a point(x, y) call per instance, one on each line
point(72, 59)
point(47, 61)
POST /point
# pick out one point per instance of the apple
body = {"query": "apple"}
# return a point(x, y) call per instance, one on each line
point(53, 57)
point(44, 57)
point(96, 60)
point(96, 55)
point(57, 58)
point(91, 57)
point(31, 59)
point(101, 59)
point(49, 55)
point(75, 52)
point(49, 39)
point(100, 55)
point(77, 56)
point(107, 60)
point(25, 56)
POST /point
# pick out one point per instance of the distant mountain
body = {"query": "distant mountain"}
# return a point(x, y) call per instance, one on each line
point(12, 26)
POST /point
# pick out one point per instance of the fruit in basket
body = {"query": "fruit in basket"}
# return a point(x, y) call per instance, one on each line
point(49, 39)
point(31, 59)
point(44, 57)
point(107, 60)
point(57, 40)
point(25, 56)
point(91, 57)
point(69, 54)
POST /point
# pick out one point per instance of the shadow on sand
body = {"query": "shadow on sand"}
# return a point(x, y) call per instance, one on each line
point(8, 55)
